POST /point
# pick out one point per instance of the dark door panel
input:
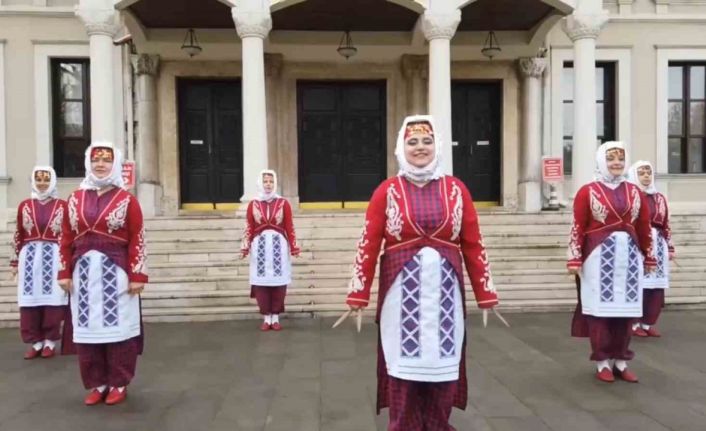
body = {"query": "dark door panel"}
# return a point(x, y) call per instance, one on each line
point(342, 151)
point(210, 135)
point(477, 120)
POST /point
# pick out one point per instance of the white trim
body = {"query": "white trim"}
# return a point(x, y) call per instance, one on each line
point(3, 124)
point(664, 56)
point(43, 11)
point(660, 18)
point(42, 93)
point(623, 81)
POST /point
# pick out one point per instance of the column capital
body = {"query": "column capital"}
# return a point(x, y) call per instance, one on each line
point(532, 67)
point(440, 25)
point(584, 26)
point(252, 23)
point(415, 65)
point(98, 21)
point(273, 64)
point(145, 64)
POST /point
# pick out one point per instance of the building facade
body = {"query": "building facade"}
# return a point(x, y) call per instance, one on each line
point(271, 88)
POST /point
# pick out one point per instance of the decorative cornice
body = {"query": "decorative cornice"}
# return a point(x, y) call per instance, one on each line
point(98, 21)
point(440, 25)
point(145, 64)
point(532, 67)
point(584, 26)
point(256, 23)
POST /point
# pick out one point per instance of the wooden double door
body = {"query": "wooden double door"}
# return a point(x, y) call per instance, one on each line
point(210, 142)
point(342, 140)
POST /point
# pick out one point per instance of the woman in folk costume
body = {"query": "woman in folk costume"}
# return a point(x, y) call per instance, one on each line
point(653, 284)
point(269, 231)
point(103, 267)
point(36, 260)
point(609, 250)
point(429, 227)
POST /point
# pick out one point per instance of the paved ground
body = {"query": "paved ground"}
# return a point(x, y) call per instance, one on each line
point(229, 376)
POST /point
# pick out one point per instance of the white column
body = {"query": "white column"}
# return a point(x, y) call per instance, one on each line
point(439, 27)
point(149, 191)
point(100, 19)
point(530, 187)
point(253, 24)
point(583, 29)
point(415, 69)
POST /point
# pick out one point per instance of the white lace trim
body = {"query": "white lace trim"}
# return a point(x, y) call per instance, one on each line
point(57, 221)
point(140, 264)
point(600, 212)
point(73, 213)
point(457, 212)
point(358, 279)
point(394, 215)
point(116, 218)
point(27, 222)
point(635, 210)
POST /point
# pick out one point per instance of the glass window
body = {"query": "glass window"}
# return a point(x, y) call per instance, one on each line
point(70, 114)
point(605, 107)
point(687, 117)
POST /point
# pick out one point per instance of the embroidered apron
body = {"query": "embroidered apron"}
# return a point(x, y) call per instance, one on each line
point(38, 267)
point(270, 263)
point(659, 279)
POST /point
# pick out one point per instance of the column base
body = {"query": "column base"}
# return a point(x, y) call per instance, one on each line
point(530, 194)
point(150, 197)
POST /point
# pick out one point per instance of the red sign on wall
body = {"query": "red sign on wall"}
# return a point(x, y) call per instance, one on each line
point(129, 174)
point(552, 169)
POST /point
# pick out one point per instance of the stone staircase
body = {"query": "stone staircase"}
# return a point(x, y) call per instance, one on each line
point(196, 274)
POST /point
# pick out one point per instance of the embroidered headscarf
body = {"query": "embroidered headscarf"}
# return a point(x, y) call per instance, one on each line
point(634, 176)
point(602, 173)
point(433, 170)
point(115, 178)
point(261, 194)
point(50, 192)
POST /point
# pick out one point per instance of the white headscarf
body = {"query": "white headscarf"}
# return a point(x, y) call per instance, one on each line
point(602, 173)
point(50, 192)
point(115, 178)
point(634, 177)
point(261, 194)
point(433, 170)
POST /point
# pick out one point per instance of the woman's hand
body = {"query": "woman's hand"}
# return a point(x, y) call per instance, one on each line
point(242, 255)
point(135, 288)
point(672, 255)
point(575, 270)
point(649, 269)
point(13, 272)
point(66, 285)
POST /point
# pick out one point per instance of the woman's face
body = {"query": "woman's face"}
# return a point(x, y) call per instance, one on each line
point(644, 174)
point(419, 149)
point(102, 162)
point(42, 179)
point(615, 159)
point(268, 183)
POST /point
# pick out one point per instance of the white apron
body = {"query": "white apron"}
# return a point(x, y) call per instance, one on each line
point(38, 267)
point(270, 263)
point(659, 279)
point(611, 278)
point(422, 322)
point(102, 311)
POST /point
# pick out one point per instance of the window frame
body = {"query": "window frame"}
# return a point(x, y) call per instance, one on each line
point(58, 141)
point(686, 101)
point(609, 101)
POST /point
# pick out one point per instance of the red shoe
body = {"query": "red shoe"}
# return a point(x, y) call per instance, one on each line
point(47, 352)
point(32, 353)
point(265, 326)
point(639, 332)
point(605, 375)
point(653, 332)
point(115, 396)
point(276, 326)
point(94, 397)
point(626, 375)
